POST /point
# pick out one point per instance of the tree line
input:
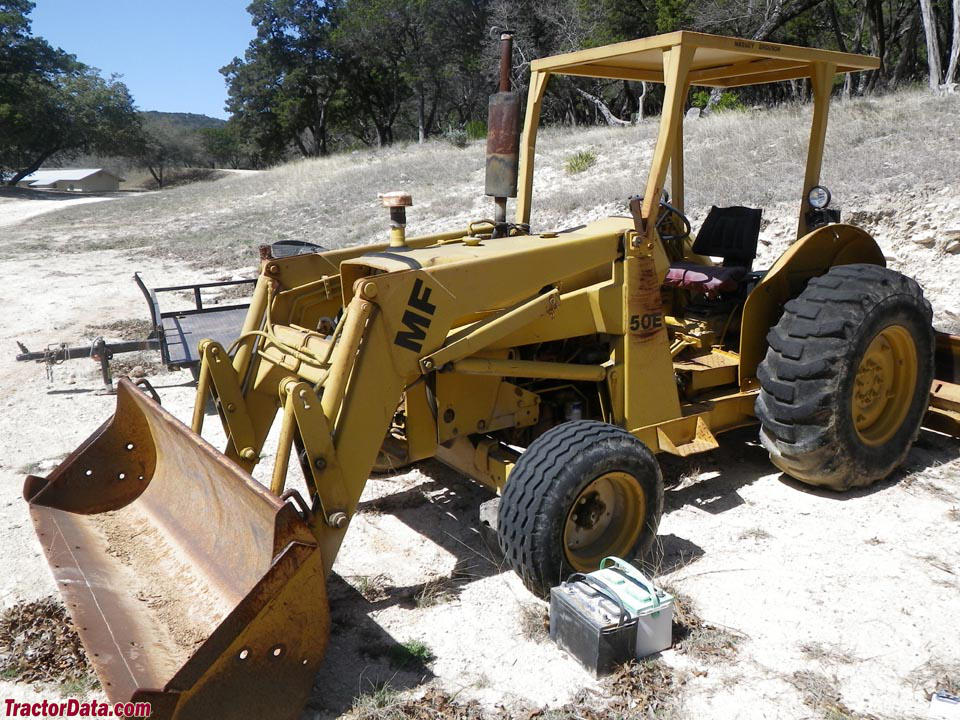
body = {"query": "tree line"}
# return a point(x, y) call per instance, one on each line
point(54, 109)
point(326, 75)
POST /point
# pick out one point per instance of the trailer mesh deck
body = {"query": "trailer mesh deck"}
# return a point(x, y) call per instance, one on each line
point(182, 332)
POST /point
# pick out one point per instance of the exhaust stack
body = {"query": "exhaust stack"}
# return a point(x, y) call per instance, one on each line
point(398, 202)
point(503, 139)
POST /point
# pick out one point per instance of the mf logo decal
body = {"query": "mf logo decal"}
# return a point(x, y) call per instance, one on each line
point(417, 318)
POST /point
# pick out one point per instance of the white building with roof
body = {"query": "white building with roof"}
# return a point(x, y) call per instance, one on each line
point(73, 180)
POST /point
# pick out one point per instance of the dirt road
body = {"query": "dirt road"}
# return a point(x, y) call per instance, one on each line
point(14, 210)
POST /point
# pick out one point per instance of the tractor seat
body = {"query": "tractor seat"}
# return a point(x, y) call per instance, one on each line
point(730, 233)
point(708, 279)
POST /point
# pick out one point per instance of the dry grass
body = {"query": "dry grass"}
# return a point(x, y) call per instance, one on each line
point(131, 329)
point(756, 533)
point(820, 694)
point(636, 690)
point(534, 622)
point(874, 144)
point(938, 563)
point(384, 703)
point(934, 676)
point(372, 587)
point(401, 500)
point(700, 640)
point(434, 592)
point(755, 158)
point(39, 644)
point(825, 653)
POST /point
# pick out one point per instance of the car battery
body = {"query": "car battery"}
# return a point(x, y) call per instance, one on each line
point(610, 616)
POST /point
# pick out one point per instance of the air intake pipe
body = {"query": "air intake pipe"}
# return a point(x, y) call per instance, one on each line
point(503, 139)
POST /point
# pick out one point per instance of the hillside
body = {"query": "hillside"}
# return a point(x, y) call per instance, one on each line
point(182, 121)
point(893, 165)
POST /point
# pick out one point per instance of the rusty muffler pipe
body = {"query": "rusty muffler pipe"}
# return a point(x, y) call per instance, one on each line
point(506, 59)
point(503, 139)
point(398, 202)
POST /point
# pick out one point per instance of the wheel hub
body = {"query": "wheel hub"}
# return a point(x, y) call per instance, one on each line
point(884, 385)
point(590, 510)
point(605, 519)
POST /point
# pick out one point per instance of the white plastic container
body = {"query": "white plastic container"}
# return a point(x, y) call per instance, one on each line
point(652, 606)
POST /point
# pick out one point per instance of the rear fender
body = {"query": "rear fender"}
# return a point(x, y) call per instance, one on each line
point(810, 256)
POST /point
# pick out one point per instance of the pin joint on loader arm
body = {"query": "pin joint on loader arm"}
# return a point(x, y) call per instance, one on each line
point(217, 375)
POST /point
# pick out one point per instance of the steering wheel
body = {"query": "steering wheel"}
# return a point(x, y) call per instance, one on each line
point(669, 211)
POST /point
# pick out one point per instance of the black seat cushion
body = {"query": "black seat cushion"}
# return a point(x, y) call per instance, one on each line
point(731, 233)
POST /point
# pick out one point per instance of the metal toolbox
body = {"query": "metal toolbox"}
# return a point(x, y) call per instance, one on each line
point(610, 616)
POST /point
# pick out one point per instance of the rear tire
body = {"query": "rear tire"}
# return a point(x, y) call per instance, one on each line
point(582, 490)
point(846, 379)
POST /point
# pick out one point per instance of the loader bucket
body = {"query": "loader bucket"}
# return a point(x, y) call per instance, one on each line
point(192, 587)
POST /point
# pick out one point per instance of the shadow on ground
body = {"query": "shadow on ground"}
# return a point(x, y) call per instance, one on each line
point(361, 656)
point(446, 509)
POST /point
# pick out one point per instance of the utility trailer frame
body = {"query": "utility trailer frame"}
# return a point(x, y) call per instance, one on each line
point(174, 333)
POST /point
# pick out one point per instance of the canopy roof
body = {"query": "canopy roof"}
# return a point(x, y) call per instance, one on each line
point(717, 61)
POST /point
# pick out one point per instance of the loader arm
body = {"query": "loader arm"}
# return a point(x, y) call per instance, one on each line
point(337, 393)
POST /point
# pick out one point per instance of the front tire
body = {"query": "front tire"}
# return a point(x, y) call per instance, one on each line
point(582, 491)
point(846, 379)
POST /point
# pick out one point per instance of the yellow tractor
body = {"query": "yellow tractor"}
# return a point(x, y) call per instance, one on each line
point(549, 366)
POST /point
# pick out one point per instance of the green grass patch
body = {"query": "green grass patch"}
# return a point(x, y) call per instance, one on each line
point(79, 687)
point(410, 654)
point(580, 161)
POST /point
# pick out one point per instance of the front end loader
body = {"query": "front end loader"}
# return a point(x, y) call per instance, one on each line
point(551, 367)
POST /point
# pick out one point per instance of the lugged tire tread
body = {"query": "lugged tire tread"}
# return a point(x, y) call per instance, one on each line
point(799, 375)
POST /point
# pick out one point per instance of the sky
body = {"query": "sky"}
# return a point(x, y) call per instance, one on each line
point(169, 52)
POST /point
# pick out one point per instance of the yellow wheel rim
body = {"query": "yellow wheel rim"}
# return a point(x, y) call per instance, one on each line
point(605, 519)
point(884, 386)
